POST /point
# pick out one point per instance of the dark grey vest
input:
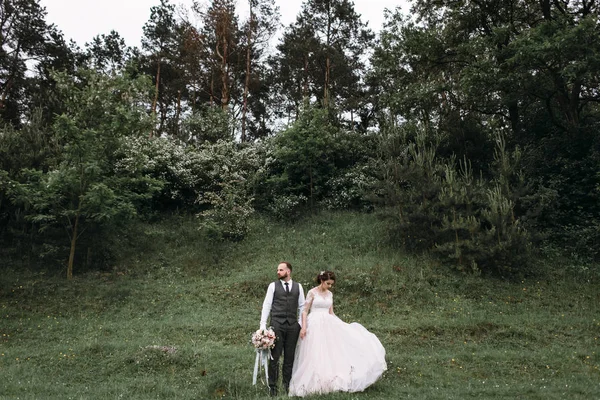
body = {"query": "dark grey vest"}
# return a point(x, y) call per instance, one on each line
point(285, 305)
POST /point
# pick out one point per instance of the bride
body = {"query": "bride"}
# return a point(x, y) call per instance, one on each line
point(333, 355)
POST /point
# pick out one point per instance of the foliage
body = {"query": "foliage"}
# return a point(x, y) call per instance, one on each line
point(22, 30)
point(231, 172)
point(216, 180)
point(83, 187)
point(108, 53)
point(260, 27)
point(443, 86)
point(162, 42)
point(31, 147)
point(287, 207)
point(306, 153)
point(321, 59)
point(313, 159)
point(465, 71)
point(207, 124)
point(165, 160)
point(438, 205)
point(350, 188)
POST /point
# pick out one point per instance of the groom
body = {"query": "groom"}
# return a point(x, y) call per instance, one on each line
point(284, 303)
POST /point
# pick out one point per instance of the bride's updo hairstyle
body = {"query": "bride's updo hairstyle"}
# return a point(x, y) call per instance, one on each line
point(325, 276)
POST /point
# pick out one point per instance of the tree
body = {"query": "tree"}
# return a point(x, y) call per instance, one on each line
point(22, 38)
point(108, 53)
point(194, 54)
point(343, 37)
point(213, 58)
point(85, 186)
point(231, 170)
point(295, 69)
point(220, 33)
point(492, 61)
point(40, 88)
point(467, 71)
point(325, 46)
point(306, 152)
point(260, 27)
point(162, 43)
point(29, 147)
point(224, 63)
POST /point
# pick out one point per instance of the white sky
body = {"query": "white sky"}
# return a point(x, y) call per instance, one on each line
point(81, 20)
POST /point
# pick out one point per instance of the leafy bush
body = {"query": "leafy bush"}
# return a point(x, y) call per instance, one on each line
point(315, 159)
point(207, 125)
point(287, 207)
point(349, 189)
point(169, 161)
point(305, 154)
point(231, 170)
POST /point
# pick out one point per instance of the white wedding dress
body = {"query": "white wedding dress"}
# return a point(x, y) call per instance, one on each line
point(334, 356)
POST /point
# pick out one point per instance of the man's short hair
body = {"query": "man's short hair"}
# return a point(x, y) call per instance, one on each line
point(287, 264)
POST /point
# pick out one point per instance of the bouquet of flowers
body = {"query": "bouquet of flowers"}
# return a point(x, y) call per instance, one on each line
point(263, 340)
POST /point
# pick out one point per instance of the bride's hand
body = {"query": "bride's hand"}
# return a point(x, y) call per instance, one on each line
point(302, 333)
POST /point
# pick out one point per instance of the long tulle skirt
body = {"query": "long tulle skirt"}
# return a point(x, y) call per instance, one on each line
point(335, 356)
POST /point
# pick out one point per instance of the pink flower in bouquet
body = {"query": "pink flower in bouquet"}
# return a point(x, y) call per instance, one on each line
point(263, 339)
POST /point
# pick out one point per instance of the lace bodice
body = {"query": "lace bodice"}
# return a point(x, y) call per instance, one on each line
point(319, 302)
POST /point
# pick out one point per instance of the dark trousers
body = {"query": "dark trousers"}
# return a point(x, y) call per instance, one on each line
point(287, 337)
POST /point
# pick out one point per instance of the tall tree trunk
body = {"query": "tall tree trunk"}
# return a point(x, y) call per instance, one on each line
point(248, 65)
point(212, 89)
point(163, 117)
point(224, 75)
point(10, 78)
point(73, 243)
point(305, 88)
point(155, 101)
point(326, 90)
point(546, 10)
point(222, 50)
point(310, 172)
point(574, 103)
point(194, 94)
point(328, 58)
point(178, 113)
point(513, 113)
point(568, 100)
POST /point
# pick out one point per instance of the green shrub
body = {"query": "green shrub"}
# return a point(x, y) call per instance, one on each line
point(231, 171)
point(437, 204)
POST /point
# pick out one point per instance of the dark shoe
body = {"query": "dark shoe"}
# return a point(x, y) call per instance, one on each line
point(273, 391)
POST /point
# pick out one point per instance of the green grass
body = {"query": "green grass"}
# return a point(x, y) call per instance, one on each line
point(447, 335)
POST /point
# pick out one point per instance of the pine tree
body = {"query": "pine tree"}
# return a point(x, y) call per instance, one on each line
point(322, 53)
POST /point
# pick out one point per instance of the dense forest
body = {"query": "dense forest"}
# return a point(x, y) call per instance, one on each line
point(473, 127)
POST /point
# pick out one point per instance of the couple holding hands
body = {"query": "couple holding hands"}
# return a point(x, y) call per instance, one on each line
point(321, 353)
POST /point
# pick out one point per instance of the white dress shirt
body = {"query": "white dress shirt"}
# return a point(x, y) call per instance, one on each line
point(268, 302)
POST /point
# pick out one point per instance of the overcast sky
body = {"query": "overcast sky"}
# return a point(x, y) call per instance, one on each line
point(81, 20)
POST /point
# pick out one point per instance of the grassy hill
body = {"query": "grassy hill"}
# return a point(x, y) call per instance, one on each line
point(173, 318)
